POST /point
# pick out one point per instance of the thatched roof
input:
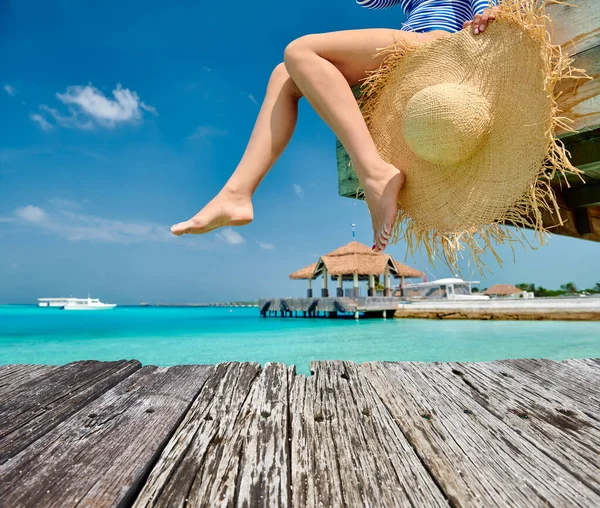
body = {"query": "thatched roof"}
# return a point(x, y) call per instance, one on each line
point(406, 271)
point(502, 290)
point(354, 248)
point(308, 272)
point(352, 258)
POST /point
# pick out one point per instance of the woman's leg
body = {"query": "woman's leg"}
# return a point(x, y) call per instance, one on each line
point(272, 132)
point(320, 67)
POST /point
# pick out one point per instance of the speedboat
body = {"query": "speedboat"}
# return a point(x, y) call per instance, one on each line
point(445, 289)
point(89, 304)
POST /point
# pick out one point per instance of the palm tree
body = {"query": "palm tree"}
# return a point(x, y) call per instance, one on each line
point(569, 287)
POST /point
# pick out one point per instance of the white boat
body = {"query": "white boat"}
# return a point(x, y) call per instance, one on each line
point(444, 289)
point(89, 304)
point(57, 302)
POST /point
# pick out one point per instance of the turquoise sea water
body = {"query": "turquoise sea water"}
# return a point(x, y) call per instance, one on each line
point(170, 336)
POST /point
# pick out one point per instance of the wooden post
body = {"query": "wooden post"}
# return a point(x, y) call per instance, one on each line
point(309, 292)
point(371, 286)
point(340, 286)
point(325, 291)
point(388, 290)
point(384, 314)
point(402, 286)
point(355, 280)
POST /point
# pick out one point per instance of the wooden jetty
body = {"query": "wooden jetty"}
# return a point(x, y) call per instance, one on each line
point(506, 433)
point(331, 307)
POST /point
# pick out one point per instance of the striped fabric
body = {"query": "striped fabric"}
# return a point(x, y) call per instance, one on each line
point(428, 15)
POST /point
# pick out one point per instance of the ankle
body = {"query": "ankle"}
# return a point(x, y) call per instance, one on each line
point(231, 191)
point(374, 169)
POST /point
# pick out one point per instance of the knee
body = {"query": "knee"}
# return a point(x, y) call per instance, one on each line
point(297, 49)
point(281, 79)
point(280, 73)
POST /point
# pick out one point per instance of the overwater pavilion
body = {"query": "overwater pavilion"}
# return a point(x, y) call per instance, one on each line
point(356, 262)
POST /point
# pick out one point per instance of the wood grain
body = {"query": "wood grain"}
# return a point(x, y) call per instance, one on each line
point(575, 27)
point(13, 376)
point(581, 389)
point(476, 458)
point(201, 462)
point(545, 418)
point(30, 409)
point(579, 99)
point(99, 456)
point(346, 448)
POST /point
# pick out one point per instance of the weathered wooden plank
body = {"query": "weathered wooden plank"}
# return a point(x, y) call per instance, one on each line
point(12, 376)
point(31, 409)
point(264, 472)
point(576, 27)
point(201, 463)
point(579, 99)
point(544, 417)
point(476, 458)
point(315, 473)
point(100, 456)
point(582, 391)
point(346, 448)
point(591, 366)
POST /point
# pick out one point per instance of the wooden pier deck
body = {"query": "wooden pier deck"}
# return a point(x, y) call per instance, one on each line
point(507, 433)
point(371, 306)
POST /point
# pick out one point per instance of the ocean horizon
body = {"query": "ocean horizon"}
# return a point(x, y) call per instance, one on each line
point(167, 336)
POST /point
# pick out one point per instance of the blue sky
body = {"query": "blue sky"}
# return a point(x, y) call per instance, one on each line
point(121, 118)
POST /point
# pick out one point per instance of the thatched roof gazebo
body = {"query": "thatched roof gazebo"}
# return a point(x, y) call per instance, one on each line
point(502, 290)
point(355, 261)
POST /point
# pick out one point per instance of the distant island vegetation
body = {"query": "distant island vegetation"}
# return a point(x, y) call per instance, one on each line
point(565, 289)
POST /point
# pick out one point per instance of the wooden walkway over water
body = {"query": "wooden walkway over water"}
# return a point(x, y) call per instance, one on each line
point(508, 433)
point(372, 306)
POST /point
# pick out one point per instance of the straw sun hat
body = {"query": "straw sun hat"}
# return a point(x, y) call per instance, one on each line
point(470, 120)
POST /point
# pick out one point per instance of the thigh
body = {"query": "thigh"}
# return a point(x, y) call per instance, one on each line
point(353, 51)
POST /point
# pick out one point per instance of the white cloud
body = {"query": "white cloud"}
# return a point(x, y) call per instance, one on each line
point(80, 227)
point(205, 132)
point(41, 121)
point(125, 107)
point(10, 90)
point(299, 191)
point(230, 236)
point(251, 97)
point(266, 246)
point(71, 121)
point(31, 214)
point(88, 107)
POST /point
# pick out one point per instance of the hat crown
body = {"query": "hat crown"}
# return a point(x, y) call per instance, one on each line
point(446, 123)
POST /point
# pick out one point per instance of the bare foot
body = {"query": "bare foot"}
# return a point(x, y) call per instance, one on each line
point(226, 209)
point(381, 194)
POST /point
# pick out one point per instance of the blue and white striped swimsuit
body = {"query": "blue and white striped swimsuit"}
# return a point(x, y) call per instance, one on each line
point(428, 15)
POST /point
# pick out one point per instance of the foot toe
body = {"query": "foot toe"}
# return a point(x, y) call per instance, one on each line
point(180, 228)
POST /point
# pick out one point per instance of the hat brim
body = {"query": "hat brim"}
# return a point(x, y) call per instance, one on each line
point(506, 180)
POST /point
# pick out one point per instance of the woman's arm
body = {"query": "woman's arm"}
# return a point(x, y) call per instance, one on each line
point(378, 4)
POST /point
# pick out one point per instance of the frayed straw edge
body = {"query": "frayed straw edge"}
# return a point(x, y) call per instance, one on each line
point(527, 211)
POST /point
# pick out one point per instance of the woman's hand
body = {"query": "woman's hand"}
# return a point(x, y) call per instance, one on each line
point(480, 21)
